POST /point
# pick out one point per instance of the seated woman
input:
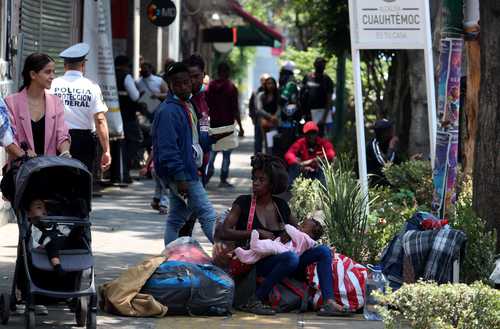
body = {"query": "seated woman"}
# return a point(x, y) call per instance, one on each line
point(271, 214)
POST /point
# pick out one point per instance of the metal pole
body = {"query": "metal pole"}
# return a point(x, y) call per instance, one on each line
point(174, 34)
point(431, 94)
point(360, 123)
point(137, 38)
point(159, 49)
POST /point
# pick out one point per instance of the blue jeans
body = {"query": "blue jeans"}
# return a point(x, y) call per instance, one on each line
point(258, 139)
point(161, 192)
point(226, 162)
point(294, 172)
point(289, 264)
point(179, 211)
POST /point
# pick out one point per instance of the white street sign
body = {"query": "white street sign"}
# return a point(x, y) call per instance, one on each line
point(389, 24)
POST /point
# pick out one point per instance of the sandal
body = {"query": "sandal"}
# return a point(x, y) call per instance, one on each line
point(330, 310)
point(255, 306)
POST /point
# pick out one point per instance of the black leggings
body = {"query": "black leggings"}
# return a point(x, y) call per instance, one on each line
point(73, 241)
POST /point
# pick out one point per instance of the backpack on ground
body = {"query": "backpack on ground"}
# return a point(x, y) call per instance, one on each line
point(194, 289)
point(291, 295)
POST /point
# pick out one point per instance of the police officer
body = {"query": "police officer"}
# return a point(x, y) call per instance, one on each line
point(84, 108)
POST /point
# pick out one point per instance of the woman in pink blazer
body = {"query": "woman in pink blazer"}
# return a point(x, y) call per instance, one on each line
point(36, 116)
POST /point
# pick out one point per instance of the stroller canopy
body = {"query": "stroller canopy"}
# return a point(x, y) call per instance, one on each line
point(52, 176)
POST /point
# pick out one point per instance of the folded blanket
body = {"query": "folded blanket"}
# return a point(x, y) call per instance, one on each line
point(122, 296)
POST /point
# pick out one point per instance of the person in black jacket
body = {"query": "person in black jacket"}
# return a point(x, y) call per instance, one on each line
point(381, 150)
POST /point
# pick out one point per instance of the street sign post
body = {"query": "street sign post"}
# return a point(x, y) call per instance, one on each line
point(390, 24)
point(161, 12)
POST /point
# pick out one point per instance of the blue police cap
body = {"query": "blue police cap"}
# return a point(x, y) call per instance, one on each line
point(75, 53)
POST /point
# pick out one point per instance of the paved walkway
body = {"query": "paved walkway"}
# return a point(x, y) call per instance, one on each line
point(126, 230)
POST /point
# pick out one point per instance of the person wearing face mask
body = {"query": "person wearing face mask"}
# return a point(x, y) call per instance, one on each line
point(303, 157)
point(177, 156)
point(149, 81)
point(316, 95)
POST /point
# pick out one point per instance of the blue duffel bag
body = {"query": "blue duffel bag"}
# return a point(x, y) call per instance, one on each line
point(194, 289)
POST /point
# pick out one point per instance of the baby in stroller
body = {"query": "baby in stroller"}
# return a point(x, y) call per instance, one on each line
point(52, 237)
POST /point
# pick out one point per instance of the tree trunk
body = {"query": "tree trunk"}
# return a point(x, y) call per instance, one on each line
point(471, 107)
point(405, 99)
point(397, 97)
point(487, 152)
point(419, 128)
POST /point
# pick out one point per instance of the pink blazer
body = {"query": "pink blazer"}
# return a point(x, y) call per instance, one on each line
point(56, 131)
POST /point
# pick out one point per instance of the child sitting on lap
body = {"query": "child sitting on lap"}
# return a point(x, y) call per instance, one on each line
point(301, 240)
point(52, 237)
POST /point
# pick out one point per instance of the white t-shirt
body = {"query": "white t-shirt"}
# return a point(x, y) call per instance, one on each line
point(150, 84)
point(82, 99)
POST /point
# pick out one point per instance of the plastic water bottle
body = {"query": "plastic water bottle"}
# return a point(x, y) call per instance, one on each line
point(375, 282)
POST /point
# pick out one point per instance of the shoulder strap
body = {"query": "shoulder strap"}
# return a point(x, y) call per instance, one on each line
point(279, 213)
point(251, 214)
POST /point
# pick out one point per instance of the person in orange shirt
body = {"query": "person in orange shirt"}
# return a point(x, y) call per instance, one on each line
point(304, 155)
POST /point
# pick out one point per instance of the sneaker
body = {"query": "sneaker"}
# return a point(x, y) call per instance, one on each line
point(155, 204)
point(163, 210)
point(225, 184)
point(256, 306)
point(41, 310)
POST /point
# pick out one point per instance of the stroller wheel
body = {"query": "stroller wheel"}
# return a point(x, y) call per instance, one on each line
point(81, 311)
point(4, 308)
point(91, 320)
point(29, 319)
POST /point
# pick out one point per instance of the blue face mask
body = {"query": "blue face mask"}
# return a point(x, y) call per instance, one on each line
point(177, 98)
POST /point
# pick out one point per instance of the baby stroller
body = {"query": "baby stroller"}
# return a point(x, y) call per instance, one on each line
point(68, 185)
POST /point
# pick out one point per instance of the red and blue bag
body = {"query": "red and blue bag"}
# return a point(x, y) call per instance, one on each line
point(349, 283)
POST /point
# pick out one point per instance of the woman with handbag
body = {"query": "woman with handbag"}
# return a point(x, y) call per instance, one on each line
point(266, 213)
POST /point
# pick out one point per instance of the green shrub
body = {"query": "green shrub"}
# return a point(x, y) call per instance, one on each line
point(344, 207)
point(478, 262)
point(305, 197)
point(388, 212)
point(448, 306)
point(413, 177)
point(410, 191)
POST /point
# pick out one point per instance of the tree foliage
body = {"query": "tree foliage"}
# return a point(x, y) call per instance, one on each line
point(308, 23)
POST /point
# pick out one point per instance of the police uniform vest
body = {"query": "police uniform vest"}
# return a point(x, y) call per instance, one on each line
point(127, 106)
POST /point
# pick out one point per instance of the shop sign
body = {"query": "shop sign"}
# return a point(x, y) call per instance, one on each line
point(161, 12)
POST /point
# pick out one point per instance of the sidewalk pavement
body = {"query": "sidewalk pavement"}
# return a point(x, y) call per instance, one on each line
point(126, 230)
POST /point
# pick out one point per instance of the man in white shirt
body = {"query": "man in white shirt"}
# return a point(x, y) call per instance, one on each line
point(151, 84)
point(84, 108)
